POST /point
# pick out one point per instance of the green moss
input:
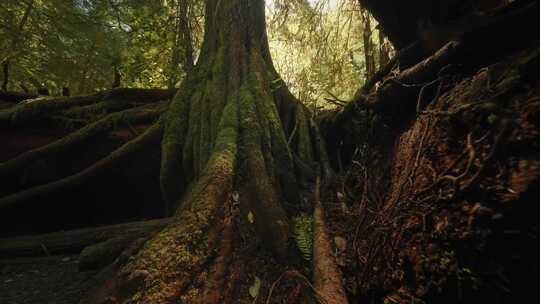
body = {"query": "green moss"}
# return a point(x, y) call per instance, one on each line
point(227, 138)
point(191, 141)
point(176, 121)
point(218, 90)
point(205, 141)
point(283, 166)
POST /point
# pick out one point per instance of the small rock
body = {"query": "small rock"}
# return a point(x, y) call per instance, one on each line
point(484, 211)
point(66, 259)
point(341, 243)
point(497, 216)
point(138, 276)
point(341, 261)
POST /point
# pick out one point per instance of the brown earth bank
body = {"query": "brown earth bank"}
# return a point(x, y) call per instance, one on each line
point(447, 212)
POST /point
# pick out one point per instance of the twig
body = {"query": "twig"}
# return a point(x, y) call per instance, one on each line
point(336, 102)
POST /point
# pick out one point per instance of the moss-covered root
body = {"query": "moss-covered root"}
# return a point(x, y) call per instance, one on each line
point(150, 137)
point(327, 278)
point(175, 121)
point(174, 265)
point(14, 168)
point(35, 109)
point(265, 162)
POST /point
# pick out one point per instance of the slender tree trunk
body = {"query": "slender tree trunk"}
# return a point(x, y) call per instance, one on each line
point(5, 72)
point(117, 81)
point(24, 88)
point(13, 47)
point(384, 50)
point(185, 33)
point(369, 51)
point(182, 51)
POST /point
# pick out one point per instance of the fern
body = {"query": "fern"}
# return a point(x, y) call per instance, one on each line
point(303, 235)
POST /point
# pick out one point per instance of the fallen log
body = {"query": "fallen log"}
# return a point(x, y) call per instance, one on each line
point(75, 240)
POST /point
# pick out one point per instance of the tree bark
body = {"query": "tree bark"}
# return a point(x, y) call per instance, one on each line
point(384, 50)
point(327, 277)
point(228, 134)
point(13, 46)
point(28, 112)
point(369, 50)
point(5, 72)
point(15, 97)
point(117, 81)
point(185, 33)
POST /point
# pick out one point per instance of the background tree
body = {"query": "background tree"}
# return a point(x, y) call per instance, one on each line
point(97, 36)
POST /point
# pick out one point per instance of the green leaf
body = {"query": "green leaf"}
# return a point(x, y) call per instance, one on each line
point(251, 217)
point(255, 288)
point(303, 235)
point(492, 118)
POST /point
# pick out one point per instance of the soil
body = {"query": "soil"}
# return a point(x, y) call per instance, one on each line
point(47, 280)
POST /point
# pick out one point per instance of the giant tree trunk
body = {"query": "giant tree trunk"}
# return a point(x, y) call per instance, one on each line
point(236, 136)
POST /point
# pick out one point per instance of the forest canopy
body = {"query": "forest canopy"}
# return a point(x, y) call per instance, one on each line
point(317, 45)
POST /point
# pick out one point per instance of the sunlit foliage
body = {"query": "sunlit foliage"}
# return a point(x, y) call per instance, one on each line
point(79, 43)
point(317, 45)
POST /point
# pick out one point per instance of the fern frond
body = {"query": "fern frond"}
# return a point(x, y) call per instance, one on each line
point(303, 235)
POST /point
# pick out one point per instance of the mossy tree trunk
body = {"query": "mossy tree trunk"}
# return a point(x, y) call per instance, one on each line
point(236, 149)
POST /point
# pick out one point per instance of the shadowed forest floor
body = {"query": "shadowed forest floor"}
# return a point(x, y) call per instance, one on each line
point(53, 279)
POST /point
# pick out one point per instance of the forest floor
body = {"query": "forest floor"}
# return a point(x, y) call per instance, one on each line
point(47, 280)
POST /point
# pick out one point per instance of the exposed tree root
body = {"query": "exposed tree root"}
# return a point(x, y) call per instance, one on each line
point(309, 292)
point(89, 112)
point(151, 136)
point(100, 255)
point(76, 240)
point(326, 274)
point(15, 97)
point(396, 99)
point(39, 108)
point(14, 168)
point(169, 265)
